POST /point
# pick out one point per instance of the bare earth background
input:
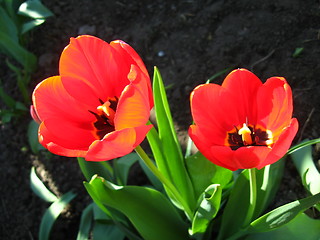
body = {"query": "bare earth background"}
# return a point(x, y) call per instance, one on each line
point(189, 41)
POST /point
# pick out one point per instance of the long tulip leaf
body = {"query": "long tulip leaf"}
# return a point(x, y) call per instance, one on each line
point(89, 169)
point(85, 223)
point(308, 171)
point(39, 188)
point(102, 231)
point(204, 173)
point(149, 211)
point(297, 229)
point(176, 169)
point(52, 214)
point(283, 215)
point(238, 203)
point(208, 208)
point(122, 166)
point(268, 181)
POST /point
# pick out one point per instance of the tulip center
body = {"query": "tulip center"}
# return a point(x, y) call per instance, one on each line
point(249, 135)
point(104, 114)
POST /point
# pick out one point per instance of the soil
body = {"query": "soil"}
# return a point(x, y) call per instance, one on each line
point(189, 41)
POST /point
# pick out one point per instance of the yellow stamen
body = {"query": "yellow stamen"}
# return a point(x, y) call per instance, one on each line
point(107, 111)
point(245, 133)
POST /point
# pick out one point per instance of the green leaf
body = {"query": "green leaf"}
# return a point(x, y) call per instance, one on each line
point(39, 188)
point(204, 173)
point(238, 203)
point(85, 223)
point(208, 208)
point(19, 53)
point(102, 231)
point(122, 166)
point(52, 214)
point(33, 137)
point(152, 178)
point(283, 214)
point(172, 164)
point(302, 227)
point(34, 9)
point(8, 27)
point(268, 180)
point(89, 169)
point(308, 171)
point(302, 145)
point(150, 212)
point(297, 52)
point(31, 25)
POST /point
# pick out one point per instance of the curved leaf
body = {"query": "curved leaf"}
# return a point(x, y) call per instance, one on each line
point(283, 215)
point(173, 166)
point(52, 214)
point(150, 211)
point(39, 188)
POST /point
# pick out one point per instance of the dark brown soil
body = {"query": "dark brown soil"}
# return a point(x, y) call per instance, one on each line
point(189, 41)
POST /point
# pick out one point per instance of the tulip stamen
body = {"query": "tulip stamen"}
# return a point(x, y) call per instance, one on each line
point(245, 134)
point(105, 117)
point(248, 135)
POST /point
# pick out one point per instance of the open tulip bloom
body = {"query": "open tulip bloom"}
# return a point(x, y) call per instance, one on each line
point(98, 109)
point(243, 123)
point(99, 104)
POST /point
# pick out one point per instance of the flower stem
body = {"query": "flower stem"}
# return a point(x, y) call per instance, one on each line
point(164, 180)
point(253, 196)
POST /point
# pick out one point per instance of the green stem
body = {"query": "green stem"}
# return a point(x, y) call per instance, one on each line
point(253, 196)
point(164, 180)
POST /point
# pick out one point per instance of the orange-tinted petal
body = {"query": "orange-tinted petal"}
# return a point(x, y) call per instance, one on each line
point(50, 99)
point(46, 138)
point(132, 56)
point(91, 70)
point(280, 148)
point(275, 105)
point(117, 143)
point(243, 85)
point(133, 108)
point(142, 82)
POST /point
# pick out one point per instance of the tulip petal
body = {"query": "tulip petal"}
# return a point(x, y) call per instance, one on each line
point(125, 49)
point(280, 148)
point(206, 148)
point(117, 143)
point(46, 138)
point(133, 108)
point(213, 111)
point(90, 67)
point(275, 105)
point(243, 85)
point(50, 99)
point(70, 134)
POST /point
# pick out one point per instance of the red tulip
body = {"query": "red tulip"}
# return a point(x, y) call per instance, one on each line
point(99, 105)
point(243, 124)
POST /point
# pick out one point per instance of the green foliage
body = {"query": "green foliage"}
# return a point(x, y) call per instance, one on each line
point(283, 214)
point(308, 171)
point(149, 211)
point(52, 213)
point(165, 146)
point(208, 209)
point(16, 19)
point(302, 227)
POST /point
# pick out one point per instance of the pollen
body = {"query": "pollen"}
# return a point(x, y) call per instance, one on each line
point(245, 134)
